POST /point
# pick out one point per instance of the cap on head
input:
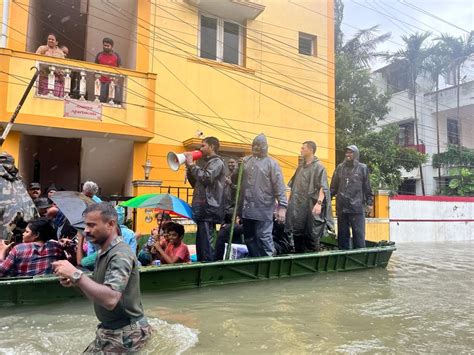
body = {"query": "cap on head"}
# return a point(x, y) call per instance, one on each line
point(35, 186)
point(43, 202)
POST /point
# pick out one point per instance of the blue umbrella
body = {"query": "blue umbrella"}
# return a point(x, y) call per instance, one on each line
point(164, 202)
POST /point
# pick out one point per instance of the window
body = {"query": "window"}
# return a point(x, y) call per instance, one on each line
point(453, 131)
point(406, 134)
point(220, 40)
point(307, 44)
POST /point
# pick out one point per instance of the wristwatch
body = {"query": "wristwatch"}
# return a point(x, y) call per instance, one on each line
point(76, 276)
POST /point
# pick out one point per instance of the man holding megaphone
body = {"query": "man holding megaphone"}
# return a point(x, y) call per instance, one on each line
point(208, 182)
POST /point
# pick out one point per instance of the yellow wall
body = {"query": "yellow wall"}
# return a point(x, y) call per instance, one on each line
point(245, 106)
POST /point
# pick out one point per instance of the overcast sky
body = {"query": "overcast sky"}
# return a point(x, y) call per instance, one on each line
point(402, 17)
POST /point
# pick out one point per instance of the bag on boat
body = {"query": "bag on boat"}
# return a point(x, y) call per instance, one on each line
point(237, 251)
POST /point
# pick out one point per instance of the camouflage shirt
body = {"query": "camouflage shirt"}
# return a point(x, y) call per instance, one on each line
point(117, 268)
point(16, 205)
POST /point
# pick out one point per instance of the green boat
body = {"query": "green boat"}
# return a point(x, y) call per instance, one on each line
point(42, 289)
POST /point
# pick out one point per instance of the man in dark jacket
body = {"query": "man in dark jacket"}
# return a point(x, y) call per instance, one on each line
point(309, 209)
point(208, 197)
point(351, 186)
point(262, 188)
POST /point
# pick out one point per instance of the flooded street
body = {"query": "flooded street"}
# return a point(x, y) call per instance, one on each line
point(423, 302)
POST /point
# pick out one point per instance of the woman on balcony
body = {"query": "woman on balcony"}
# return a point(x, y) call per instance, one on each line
point(51, 49)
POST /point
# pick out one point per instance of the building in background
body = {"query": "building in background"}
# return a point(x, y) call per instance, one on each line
point(230, 69)
point(447, 126)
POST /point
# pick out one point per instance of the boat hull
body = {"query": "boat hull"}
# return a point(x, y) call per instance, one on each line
point(44, 289)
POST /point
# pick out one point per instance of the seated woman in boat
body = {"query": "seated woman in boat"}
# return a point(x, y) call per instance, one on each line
point(35, 255)
point(176, 251)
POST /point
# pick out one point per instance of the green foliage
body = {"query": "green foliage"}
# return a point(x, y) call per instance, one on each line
point(454, 157)
point(360, 105)
point(460, 162)
point(462, 183)
point(385, 158)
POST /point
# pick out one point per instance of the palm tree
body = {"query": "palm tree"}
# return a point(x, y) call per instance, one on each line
point(436, 65)
point(361, 48)
point(459, 49)
point(414, 56)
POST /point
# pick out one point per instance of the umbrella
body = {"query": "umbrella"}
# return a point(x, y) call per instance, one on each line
point(72, 204)
point(164, 202)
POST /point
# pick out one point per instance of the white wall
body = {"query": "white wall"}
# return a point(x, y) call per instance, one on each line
point(106, 162)
point(431, 219)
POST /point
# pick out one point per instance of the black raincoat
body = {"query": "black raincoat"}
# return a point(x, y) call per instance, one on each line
point(351, 186)
point(208, 183)
point(305, 185)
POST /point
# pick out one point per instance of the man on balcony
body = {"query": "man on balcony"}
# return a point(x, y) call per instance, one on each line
point(111, 58)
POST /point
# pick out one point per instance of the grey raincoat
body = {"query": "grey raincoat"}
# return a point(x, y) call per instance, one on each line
point(351, 186)
point(262, 186)
point(208, 183)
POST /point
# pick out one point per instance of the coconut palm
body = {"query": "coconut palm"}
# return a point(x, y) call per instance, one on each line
point(414, 56)
point(459, 49)
point(361, 48)
point(436, 65)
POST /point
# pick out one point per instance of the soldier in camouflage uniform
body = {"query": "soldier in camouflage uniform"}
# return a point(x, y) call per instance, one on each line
point(16, 206)
point(114, 287)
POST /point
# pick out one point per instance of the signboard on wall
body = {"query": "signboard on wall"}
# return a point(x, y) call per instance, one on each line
point(83, 109)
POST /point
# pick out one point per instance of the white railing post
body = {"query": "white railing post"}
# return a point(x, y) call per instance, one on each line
point(67, 83)
point(112, 91)
point(51, 80)
point(82, 85)
point(97, 87)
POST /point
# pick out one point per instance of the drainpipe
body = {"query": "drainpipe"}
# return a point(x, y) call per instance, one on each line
point(6, 10)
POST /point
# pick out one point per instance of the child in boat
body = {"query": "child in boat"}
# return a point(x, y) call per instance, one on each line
point(148, 253)
point(176, 251)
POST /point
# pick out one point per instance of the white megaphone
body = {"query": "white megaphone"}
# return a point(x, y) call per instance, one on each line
point(175, 160)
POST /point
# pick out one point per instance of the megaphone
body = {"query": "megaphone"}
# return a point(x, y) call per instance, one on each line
point(175, 160)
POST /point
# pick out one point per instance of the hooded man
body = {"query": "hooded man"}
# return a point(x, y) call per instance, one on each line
point(16, 206)
point(351, 186)
point(309, 208)
point(208, 182)
point(262, 188)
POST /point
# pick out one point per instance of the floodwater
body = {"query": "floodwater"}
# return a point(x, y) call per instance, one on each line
point(422, 303)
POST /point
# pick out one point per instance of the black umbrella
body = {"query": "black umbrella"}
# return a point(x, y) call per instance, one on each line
point(72, 204)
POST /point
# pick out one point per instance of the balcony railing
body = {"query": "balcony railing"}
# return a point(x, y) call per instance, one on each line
point(420, 148)
point(68, 82)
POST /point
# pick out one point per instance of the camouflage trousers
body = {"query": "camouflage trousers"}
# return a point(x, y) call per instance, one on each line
point(128, 339)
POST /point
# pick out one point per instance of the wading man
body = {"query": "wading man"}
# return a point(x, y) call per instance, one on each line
point(114, 287)
point(263, 189)
point(351, 186)
point(309, 208)
point(208, 207)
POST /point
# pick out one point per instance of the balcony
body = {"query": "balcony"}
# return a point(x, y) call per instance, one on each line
point(88, 98)
point(420, 148)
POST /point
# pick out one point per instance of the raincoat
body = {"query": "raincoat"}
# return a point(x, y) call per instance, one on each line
point(351, 186)
point(208, 183)
point(15, 204)
point(305, 185)
point(262, 185)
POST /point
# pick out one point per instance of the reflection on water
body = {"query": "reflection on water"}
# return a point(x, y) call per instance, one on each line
point(423, 302)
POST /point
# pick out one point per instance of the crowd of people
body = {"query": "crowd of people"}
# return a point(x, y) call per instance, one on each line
point(106, 57)
point(267, 223)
